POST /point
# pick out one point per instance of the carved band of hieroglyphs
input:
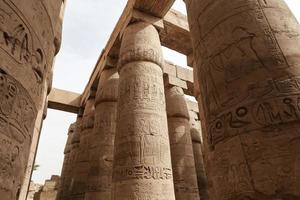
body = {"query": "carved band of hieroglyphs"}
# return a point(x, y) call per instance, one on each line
point(143, 149)
point(144, 91)
point(19, 41)
point(143, 172)
point(142, 141)
point(279, 105)
point(141, 54)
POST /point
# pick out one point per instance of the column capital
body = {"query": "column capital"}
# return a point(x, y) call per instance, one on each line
point(140, 43)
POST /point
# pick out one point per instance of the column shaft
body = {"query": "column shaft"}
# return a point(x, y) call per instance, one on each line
point(81, 169)
point(65, 172)
point(26, 51)
point(69, 179)
point(198, 155)
point(248, 62)
point(183, 164)
point(142, 162)
point(102, 140)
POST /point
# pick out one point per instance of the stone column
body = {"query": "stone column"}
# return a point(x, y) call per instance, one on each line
point(82, 165)
point(198, 155)
point(185, 177)
point(142, 162)
point(26, 51)
point(70, 177)
point(102, 141)
point(65, 173)
point(248, 61)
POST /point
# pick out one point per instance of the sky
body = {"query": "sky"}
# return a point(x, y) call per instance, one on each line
point(87, 27)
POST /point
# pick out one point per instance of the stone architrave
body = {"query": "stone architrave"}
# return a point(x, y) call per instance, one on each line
point(183, 164)
point(26, 50)
point(142, 161)
point(198, 155)
point(65, 173)
point(82, 166)
point(102, 141)
point(248, 62)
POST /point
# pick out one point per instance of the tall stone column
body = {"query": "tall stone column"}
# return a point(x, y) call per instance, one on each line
point(198, 155)
point(65, 173)
point(248, 61)
point(71, 176)
point(185, 177)
point(102, 140)
point(142, 161)
point(26, 51)
point(82, 165)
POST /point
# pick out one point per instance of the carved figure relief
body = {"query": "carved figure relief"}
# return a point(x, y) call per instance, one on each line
point(21, 43)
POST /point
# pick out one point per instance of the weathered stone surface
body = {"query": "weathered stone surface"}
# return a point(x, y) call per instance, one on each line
point(69, 178)
point(65, 173)
point(185, 177)
point(26, 51)
point(142, 162)
point(49, 190)
point(33, 188)
point(198, 155)
point(81, 168)
point(102, 141)
point(247, 57)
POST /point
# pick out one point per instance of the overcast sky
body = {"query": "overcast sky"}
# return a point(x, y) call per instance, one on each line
point(87, 27)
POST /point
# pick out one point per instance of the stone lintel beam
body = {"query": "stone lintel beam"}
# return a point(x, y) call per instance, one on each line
point(175, 75)
point(173, 29)
point(176, 34)
point(157, 22)
point(64, 100)
point(158, 8)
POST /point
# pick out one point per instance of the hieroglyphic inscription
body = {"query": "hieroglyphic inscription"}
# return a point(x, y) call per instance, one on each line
point(143, 89)
point(144, 172)
point(143, 141)
point(17, 117)
point(247, 47)
point(20, 42)
point(141, 54)
point(248, 73)
point(142, 164)
point(231, 168)
point(279, 103)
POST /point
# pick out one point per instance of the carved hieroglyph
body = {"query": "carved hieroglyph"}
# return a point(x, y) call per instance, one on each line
point(81, 168)
point(248, 60)
point(102, 140)
point(198, 155)
point(65, 173)
point(142, 162)
point(185, 177)
point(26, 53)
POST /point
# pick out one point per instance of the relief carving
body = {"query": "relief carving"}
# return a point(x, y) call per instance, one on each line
point(247, 69)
